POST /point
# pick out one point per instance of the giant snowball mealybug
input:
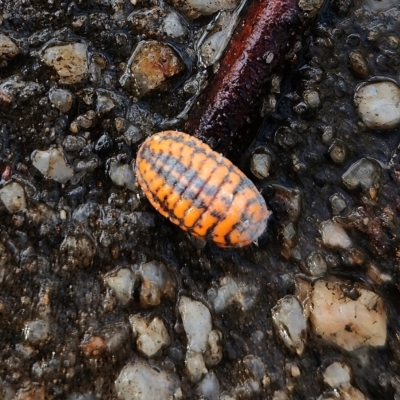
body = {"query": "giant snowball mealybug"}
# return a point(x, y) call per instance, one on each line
point(200, 190)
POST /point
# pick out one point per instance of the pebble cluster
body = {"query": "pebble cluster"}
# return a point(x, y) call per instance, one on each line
point(100, 298)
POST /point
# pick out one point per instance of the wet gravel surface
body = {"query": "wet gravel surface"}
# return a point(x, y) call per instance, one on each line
point(94, 281)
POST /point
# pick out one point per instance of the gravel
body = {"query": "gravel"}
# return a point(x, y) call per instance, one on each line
point(101, 298)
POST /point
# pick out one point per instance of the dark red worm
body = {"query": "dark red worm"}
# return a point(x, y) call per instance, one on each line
point(230, 105)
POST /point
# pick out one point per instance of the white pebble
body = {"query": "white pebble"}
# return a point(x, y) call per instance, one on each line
point(173, 25)
point(213, 354)
point(61, 98)
point(13, 197)
point(52, 164)
point(379, 104)
point(196, 319)
point(260, 165)
point(316, 264)
point(139, 381)
point(37, 331)
point(122, 283)
point(122, 174)
point(232, 291)
point(208, 388)
point(333, 235)
point(156, 283)
point(8, 48)
point(290, 323)
point(364, 174)
point(194, 8)
point(311, 97)
point(349, 323)
point(295, 371)
point(69, 60)
point(195, 365)
point(337, 375)
point(150, 337)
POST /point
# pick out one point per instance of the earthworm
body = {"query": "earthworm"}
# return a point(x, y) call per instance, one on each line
point(225, 111)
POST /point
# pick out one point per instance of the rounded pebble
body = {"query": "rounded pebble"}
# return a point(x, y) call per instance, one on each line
point(378, 104)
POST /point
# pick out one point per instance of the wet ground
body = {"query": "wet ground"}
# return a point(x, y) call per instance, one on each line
point(82, 251)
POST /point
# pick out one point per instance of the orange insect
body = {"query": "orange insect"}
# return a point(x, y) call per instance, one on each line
point(199, 190)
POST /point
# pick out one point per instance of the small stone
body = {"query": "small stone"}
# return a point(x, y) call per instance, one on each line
point(122, 283)
point(311, 98)
point(74, 143)
point(74, 127)
point(105, 239)
point(327, 134)
point(133, 135)
point(208, 388)
point(151, 336)
point(232, 291)
point(290, 323)
point(194, 9)
point(52, 164)
point(358, 64)
point(364, 174)
point(378, 104)
point(93, 346)
point(106, 100)
point(337, 375)
point(150, 65)
point(280, 395)
point(173, 25)
point(84, 122)
point(333, 235)
point(213, 354)
point(260, 165)
point(122, 174)
point(316, 264)
point(351, 319)
point(116, 337)
point(8, 49)
point(104, 145)
point(255, 367)
point(37, 331)
point(310, 5)
point(78, 250)
point(337, 152)
point(61, 98)
point(13, 197)
point(13, 89)
point(338, 204)
point(295, 371)
point(195, 365)
point(119, 124)
point(156, 282)
point(393, 42)
point(196, 319)
point(381, 5)
point(69, 60)
point(139, 381)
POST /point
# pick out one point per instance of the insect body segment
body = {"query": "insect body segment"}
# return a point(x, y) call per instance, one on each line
point(199, 190)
